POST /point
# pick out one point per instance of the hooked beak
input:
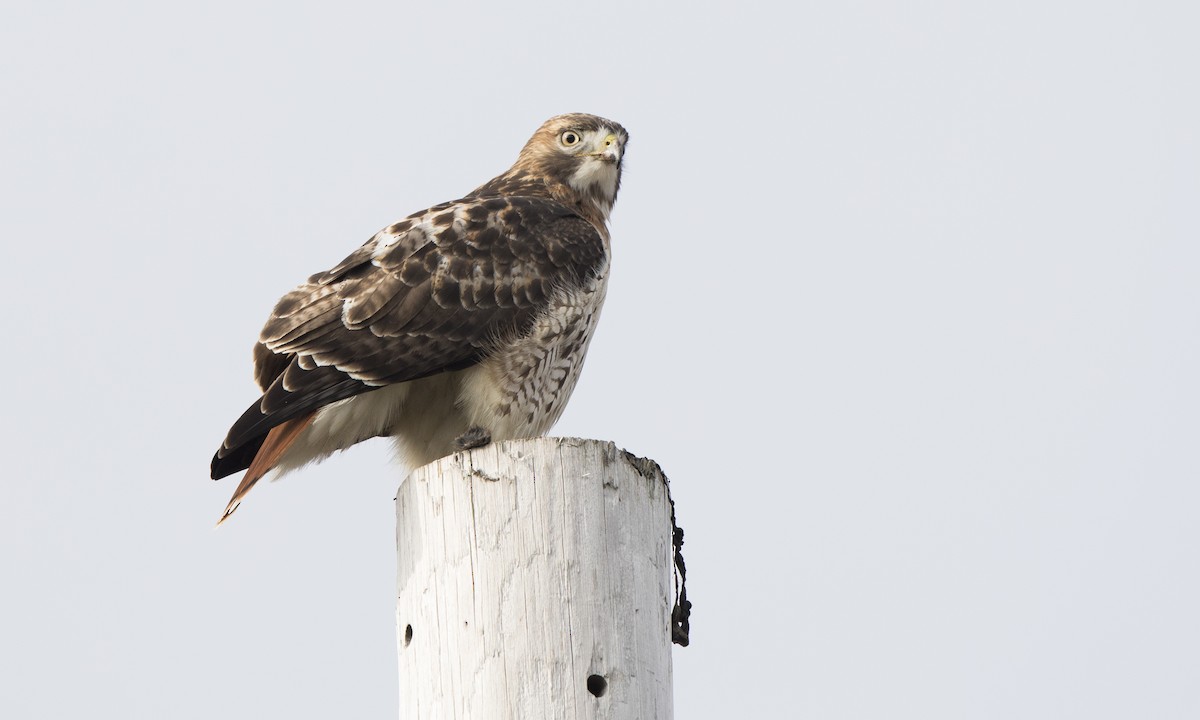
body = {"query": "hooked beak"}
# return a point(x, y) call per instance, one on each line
point(608, 150)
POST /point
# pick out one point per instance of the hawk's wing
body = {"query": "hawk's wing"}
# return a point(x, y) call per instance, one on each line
point(426, 295)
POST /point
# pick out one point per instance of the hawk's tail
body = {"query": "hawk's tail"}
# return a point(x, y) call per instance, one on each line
point(279, 439)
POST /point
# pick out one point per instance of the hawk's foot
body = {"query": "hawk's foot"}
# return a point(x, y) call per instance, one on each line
point(474, 437)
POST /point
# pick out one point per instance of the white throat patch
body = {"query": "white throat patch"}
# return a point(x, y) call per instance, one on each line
point(597, 180)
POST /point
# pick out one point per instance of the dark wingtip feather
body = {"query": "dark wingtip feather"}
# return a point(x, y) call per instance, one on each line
point(228, 461)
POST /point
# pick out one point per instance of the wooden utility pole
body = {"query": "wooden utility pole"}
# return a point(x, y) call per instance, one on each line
point(535, 582)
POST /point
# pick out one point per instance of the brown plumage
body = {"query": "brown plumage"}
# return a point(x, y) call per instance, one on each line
point(278, 440)
point(460, 323)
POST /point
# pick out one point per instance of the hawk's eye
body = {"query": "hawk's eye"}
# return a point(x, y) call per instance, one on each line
point(569, 138)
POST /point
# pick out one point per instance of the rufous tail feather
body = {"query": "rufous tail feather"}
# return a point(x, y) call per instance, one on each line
point(279, 439)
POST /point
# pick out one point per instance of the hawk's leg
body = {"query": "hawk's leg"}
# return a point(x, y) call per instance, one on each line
point(474, 437)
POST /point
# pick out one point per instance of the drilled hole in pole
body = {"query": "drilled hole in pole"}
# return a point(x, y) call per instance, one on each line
point(597, 685)
point(407, 635)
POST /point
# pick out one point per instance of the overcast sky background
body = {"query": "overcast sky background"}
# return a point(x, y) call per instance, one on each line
point(904, 300)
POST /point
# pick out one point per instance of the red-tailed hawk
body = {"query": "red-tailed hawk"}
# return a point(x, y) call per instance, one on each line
point(461, 324)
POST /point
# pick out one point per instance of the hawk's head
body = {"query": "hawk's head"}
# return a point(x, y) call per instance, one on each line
point(582, 152)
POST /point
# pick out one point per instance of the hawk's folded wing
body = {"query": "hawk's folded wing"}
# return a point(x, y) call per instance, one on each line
point(429, 294)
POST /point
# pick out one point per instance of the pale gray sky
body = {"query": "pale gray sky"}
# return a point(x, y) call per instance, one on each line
point(904, 300)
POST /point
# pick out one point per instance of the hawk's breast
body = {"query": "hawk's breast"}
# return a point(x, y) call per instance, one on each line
point(521, 389)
